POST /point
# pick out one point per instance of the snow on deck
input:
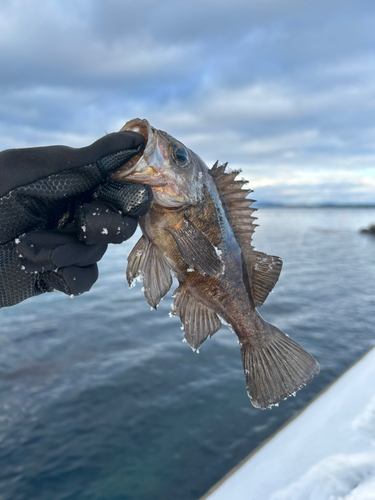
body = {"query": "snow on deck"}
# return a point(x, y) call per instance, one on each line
point(326, 453)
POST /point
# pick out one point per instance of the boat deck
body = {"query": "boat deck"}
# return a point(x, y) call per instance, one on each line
point(327, 451)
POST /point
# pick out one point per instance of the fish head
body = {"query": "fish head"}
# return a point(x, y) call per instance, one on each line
point(174, 172)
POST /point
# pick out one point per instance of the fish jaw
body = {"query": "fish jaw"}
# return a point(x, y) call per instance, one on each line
point(171, 187)
point(142, 166)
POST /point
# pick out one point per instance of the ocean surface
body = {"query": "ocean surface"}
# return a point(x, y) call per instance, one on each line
point(101, 400)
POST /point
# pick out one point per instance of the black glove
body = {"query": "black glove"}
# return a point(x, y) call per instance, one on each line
point(61, 198)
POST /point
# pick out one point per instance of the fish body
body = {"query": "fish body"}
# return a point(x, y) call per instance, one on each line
point(199, 230)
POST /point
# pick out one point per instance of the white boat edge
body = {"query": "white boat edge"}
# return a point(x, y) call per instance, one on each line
point(326, 428)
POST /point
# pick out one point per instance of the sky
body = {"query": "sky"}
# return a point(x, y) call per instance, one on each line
point(283, 89)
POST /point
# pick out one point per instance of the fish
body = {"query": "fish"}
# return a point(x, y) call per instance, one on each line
point(199, 230)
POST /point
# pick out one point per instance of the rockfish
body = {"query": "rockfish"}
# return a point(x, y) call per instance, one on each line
point(199, 229)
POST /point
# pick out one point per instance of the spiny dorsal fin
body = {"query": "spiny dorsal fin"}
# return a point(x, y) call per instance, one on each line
point(238, 206)
point(228, 185)
point(198, 320)
point(263, 269)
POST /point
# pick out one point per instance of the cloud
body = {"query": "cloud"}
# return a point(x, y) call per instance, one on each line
point(282, 89)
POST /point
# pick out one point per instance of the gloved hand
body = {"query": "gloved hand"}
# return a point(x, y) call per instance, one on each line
point(59, 211)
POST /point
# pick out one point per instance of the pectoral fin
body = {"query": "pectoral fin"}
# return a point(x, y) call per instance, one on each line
point(196, 249)
point(198, 320)
point(148, 263)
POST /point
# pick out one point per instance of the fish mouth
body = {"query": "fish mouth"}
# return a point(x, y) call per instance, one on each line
point(150, 166)
point(138, 169)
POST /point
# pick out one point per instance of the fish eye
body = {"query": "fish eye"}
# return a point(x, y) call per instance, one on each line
point(179, 154)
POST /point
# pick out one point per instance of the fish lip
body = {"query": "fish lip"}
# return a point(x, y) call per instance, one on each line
point(143, 127)
point(150, 137)
point(148, 132)
point(138, 163)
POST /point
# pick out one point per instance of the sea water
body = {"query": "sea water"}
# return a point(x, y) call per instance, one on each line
point(100, 399)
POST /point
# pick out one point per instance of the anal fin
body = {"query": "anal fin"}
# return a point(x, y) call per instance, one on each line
point(198, 320)
point(147, 262)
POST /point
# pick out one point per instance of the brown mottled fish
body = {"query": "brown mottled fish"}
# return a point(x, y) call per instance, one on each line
point(199, 229)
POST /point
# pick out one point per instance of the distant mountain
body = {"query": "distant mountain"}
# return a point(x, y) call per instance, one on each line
point(267, 204)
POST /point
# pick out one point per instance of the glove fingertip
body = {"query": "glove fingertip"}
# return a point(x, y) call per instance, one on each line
point(137, 139)
point(80, 279)
point(99, 223)
point(128, 144)
point(145, 205)
point(130, 225)
point(128, 197)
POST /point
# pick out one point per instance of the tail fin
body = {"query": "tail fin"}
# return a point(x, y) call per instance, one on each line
point(275, 367)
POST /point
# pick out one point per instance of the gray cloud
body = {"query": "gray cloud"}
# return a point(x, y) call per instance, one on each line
point(281, 88)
